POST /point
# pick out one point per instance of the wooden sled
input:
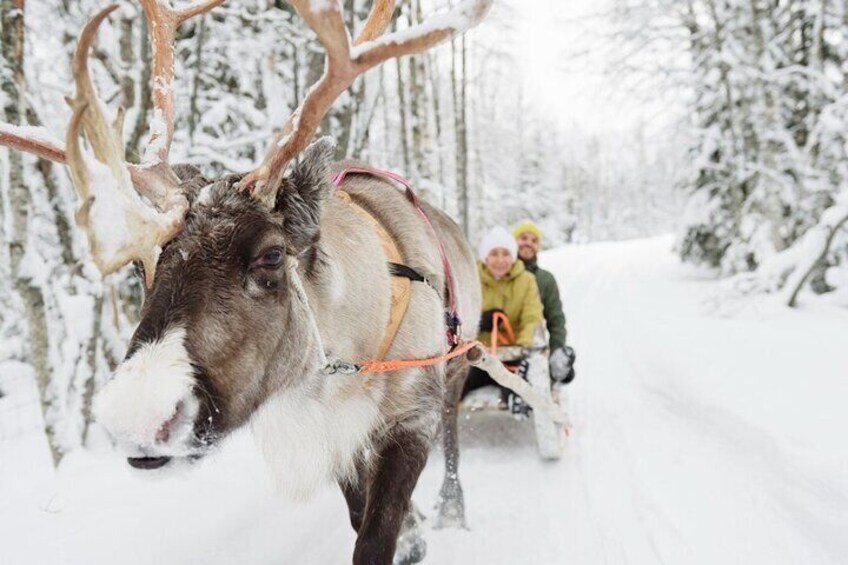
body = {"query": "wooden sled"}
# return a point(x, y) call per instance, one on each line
point(550, 422)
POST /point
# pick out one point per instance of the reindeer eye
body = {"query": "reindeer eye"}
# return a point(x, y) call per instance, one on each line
point(269, 259)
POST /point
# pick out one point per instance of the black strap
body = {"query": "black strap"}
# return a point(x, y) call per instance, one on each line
point(451, 318)
point(398, 270)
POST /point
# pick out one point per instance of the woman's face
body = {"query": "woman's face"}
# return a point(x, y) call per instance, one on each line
point(499, 262)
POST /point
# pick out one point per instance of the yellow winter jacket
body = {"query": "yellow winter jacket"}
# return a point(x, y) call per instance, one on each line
point(516, 294)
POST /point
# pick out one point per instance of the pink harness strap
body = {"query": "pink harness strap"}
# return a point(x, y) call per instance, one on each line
point(452, 316)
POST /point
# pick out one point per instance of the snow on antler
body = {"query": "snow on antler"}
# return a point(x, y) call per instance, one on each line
point(128, 212)
point(120, 226)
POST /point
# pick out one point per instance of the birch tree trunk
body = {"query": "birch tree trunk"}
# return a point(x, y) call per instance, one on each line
point(461, 153)
point(20, 202)
point(437, 122)
point(145, 97)
point(404, 131)
point(60, 219)
point(418, 104)
point(91, 359)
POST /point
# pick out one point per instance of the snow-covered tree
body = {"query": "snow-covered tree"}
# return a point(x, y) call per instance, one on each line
point(766, 88)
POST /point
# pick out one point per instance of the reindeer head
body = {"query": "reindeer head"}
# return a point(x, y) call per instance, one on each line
point(221, 329)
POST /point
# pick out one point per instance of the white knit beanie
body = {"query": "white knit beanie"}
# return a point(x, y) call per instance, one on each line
point(494, 238)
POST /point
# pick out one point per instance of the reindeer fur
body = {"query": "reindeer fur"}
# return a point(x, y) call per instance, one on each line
point(258, 362)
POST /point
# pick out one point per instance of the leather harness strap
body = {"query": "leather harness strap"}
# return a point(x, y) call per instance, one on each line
point(401, 283)
point(403, 275)
point(399, 270)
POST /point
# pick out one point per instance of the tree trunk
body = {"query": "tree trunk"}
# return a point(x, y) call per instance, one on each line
point(91, 359)
point(194, 108)
point(145, 96)
point(437, 122)
point(127, 62)
point(404, 132)
point(360, 142)
point(418, 104)
point(461, 151)
point(349, 114)
point(51, 183)
point(20, 201)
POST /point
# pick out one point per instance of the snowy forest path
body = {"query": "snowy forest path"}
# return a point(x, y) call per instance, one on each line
point(693, 443)
point(672, 471)
point(667, 464)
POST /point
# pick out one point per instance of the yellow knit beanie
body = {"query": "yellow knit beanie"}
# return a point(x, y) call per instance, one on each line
point(527, 226)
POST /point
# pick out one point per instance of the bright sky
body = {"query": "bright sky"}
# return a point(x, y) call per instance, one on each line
point(572, 90)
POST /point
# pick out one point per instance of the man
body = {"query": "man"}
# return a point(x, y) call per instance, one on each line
point(529, 239)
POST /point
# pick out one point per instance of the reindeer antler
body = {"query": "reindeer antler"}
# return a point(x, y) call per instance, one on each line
point(377, 22)
point(120, 226)
point(343, 64)
point(164, 21)
point(32, 140)
point(36, 141)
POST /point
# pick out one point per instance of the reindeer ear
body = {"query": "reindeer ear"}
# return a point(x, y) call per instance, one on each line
point(301, 198)
point(191, 180)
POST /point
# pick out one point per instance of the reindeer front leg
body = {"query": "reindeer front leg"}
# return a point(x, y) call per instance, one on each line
point(394, 475)
point(355, 496)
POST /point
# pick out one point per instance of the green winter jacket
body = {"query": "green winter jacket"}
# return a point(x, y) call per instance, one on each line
point(551, 303)
point(518, 296)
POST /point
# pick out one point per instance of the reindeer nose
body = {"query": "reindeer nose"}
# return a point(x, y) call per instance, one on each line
point(164, 432)
point(148, 463)
point(150, 402)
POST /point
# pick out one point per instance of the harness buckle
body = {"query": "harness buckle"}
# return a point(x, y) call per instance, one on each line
point(341, 367)
point(454, 325)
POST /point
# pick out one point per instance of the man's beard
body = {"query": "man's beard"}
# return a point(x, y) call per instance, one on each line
point(523, 251)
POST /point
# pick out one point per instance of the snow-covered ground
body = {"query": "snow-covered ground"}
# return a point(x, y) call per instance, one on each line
point(699, 438)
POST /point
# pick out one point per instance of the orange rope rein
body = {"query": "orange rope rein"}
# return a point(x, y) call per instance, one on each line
point(508, 336)
point(395, 364)
point(498, 319)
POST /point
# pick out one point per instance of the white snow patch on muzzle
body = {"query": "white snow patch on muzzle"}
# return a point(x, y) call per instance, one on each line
point(149, 404)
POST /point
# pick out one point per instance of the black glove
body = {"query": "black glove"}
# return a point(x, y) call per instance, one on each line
point(562, 364)
point(486, 319)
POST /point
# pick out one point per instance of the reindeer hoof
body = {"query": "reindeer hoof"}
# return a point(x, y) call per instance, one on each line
point(411, 546)
point(450, 511)
point(413, 551)
point(450, 516)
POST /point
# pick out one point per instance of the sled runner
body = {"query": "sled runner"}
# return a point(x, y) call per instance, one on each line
point(525, 372)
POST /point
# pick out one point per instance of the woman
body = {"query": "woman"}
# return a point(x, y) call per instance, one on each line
point(508, 288)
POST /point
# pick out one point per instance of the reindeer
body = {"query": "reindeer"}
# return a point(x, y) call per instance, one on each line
point(260, 288)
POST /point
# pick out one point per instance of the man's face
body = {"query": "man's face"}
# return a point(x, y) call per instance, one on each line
point(528, 246)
